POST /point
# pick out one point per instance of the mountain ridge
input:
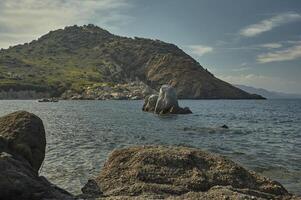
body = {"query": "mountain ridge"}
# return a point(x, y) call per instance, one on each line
point(267, 93)
point(82, 59)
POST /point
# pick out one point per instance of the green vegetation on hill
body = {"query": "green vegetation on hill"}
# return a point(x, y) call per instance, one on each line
point(75, 58)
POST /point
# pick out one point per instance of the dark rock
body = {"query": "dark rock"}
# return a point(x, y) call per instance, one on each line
point(22, 151)
point(91, 188)
point(24, 135)
point(18, 180)
point(156, 172)
point(225, 126)
point(179, 110)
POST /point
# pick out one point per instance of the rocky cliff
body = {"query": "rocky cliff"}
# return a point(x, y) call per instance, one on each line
point(79, 60)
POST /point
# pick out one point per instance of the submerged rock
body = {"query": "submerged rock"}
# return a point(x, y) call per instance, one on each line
point(225, 126)
point(164, 103)
point(160, 172)
point(22, 151)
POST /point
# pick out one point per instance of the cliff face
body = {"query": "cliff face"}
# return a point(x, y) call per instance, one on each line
point(76, 58)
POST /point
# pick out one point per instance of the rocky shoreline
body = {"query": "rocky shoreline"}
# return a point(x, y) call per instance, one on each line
point(132, 90)
point(136, 90)
point(139, 172)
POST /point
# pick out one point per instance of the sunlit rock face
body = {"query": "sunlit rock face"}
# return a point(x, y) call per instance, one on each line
point(164, 103)
point(173, 172)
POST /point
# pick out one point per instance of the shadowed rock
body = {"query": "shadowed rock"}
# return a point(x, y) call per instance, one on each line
point(157, 172)
point(22, 151)
point(18, 180)
point(24, 136)
point(164, 103)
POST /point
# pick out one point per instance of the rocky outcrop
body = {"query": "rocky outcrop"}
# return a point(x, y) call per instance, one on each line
point(164, 103)
point(150, 103)
point(128, 91)
point(165, 172)
point(22, 151)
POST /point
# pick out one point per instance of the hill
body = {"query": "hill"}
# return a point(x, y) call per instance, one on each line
point(89, 62)
point(269, 94)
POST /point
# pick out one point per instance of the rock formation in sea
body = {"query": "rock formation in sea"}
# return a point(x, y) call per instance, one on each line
point(164, 103)
point(22, 151)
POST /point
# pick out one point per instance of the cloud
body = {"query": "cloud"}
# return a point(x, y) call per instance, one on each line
point(269, 24)
point(241, 68)
point(200, 50)
point(271, 45)
point(290, 53)
point(255, 47)
point(262, 81)
point(22, 21)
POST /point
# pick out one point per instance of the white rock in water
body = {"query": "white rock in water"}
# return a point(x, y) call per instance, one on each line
point(167, 99)
point(165, 103)
point(150, 103)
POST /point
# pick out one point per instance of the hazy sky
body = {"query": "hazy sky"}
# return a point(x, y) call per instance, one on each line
point(250, 42)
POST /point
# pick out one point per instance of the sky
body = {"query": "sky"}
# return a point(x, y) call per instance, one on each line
point(251, 42)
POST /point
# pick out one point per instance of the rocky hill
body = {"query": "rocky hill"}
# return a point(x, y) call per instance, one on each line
point(89, 62)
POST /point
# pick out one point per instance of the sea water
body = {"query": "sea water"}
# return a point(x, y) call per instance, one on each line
point(263, 135)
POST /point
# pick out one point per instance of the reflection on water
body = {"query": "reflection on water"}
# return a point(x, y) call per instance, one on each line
point(264, 136)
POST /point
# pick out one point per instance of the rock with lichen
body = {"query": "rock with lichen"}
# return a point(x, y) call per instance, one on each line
point(166, 172)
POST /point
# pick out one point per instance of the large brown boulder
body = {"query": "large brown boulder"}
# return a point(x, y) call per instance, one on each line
point(24, 135)
point(175, 172)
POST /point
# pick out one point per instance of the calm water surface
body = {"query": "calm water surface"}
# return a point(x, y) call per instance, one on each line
point(264, 136)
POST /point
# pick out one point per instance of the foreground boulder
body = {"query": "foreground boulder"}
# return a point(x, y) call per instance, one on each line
point(22, 151)
point(24, 135)
point(161, 172)
point(164, 103)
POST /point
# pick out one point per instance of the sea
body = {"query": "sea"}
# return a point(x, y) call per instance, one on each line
point(263, 135)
